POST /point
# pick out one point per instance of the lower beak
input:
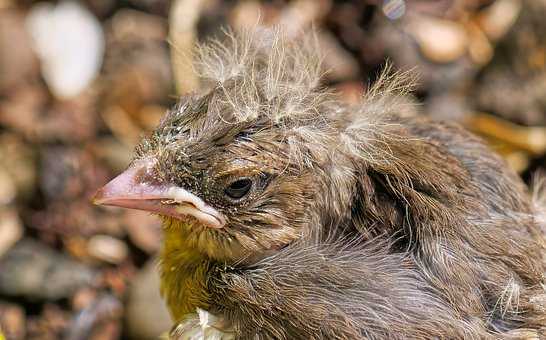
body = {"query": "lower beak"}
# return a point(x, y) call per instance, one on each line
point(138, 188)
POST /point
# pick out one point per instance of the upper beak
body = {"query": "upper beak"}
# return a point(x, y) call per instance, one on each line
point(137, 188)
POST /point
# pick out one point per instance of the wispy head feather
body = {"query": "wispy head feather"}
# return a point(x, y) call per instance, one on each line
point(263, 72)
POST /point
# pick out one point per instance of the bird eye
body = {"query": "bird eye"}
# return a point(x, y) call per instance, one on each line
point(239, 188)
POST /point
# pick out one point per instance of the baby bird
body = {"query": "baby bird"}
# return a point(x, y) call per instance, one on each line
point(288, 214)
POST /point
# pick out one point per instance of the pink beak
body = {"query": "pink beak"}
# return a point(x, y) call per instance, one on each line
point(136, 188)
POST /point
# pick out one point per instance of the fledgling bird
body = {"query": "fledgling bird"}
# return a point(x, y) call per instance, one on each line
point(288, 214)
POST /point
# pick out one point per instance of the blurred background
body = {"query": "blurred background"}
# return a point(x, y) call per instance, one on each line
point(80, 81)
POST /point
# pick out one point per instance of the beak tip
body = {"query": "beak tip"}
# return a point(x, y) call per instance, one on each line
point(98, 197)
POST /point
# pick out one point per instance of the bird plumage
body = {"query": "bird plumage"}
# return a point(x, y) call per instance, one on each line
point(355, 221)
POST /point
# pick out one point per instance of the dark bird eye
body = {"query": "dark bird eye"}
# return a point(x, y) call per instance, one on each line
point(239, 188)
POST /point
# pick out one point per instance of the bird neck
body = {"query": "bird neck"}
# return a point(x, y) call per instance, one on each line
point(183, 272)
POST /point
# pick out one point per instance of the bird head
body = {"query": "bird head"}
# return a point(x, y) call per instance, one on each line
point(233, 169)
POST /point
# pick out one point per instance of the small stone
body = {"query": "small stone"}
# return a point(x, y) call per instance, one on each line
point(441, 41)
point(34, 271)
point(108, 249)
point(116, 280)
point(18, 64)
point(55, 318)
point(22, 109)
point(497, 19)
point(8, 192)
point(479, 47)
point(70, 44)
point(83, 298)
point(147, 315)
point(18, 169)
point(100, 320)
point(11, 229)
point(12, 322)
